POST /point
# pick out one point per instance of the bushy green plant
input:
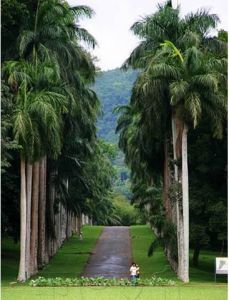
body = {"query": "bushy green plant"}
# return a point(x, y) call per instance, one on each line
point(129, 215)
point(99, 281)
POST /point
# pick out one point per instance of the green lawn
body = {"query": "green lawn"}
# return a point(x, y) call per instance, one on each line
point(116, 293)
point(72, 257)
point(68, 262)
point(142, 237)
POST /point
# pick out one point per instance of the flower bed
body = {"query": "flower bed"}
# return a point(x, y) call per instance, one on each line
point(99, 281)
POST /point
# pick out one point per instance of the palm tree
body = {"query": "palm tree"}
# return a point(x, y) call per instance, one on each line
point(194, 91)
point(154, 86)
point(37, 111)
point(57, 33)
point(50, 46)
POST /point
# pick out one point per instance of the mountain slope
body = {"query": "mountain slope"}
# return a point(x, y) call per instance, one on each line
point(113, 88)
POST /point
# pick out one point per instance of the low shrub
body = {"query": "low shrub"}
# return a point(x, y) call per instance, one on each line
point(99, 281)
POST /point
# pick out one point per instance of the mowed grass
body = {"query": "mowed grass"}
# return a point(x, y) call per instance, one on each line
point(68, 262)
point(116, 293)
point(142, 237)
point(73, 255)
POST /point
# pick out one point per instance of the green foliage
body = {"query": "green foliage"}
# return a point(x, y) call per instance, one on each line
point(10, 204)
point(183, 74)
point(15, 14)
point(54, 111)
point(128, 214)
point(8, 144)
point(113, 88)
point(208, 188)
point(98, 281)
point(175, 192)
point(38, 108)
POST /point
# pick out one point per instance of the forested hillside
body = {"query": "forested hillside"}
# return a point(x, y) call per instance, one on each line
point(113, 88)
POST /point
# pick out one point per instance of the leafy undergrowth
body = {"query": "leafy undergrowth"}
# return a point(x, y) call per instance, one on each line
point(99, 281)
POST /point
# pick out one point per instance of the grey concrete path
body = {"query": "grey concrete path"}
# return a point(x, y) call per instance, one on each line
point(112, 254)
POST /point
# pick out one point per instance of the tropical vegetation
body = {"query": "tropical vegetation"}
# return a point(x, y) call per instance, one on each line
point(182, 82)
point(50, 132)
point(61, 167)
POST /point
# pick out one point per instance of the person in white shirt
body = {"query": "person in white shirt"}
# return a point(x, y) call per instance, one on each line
point(133, 273)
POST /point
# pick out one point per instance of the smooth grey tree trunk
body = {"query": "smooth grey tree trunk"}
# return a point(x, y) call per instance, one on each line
point(51, 237)
point(176, 212)
point(22, 265)
point(42, 213)
point(34, 220)
point(29, 177)
point(185, 202)
point(179, 132)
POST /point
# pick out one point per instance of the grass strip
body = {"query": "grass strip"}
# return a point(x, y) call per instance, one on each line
point(115, 293)
point(69, 261)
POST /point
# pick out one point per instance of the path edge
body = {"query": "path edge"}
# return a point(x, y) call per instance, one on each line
point(87, 262)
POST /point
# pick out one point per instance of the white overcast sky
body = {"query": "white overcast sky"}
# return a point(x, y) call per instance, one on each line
point(113, 18)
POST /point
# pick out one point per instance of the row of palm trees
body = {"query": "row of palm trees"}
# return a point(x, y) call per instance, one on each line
point(182, 78)
point(64, 170)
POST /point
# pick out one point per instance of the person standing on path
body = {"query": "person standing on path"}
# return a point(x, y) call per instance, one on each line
point(133, 273)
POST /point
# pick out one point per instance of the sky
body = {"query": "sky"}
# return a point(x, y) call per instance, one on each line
point(113, 18)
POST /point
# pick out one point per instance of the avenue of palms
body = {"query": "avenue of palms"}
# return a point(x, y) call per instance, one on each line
point(50, 110)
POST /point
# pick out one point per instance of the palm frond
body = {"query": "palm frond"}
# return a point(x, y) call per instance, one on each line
point(154, 245)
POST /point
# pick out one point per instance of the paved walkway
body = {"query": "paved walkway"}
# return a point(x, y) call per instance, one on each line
point(112, 254)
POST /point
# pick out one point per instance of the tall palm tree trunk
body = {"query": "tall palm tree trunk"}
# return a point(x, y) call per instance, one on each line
point(185, 203)
point(52, 234)
point(176, 129)
point(34, 220)
point(179, 132)
point(79, 223)
point(22, 265)
point(42, 213)
point(175, 180)
point(29, 178)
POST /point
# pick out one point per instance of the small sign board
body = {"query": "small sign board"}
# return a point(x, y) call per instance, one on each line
point(221, 265)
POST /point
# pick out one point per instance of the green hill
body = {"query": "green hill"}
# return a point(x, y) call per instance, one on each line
point(114, 88)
